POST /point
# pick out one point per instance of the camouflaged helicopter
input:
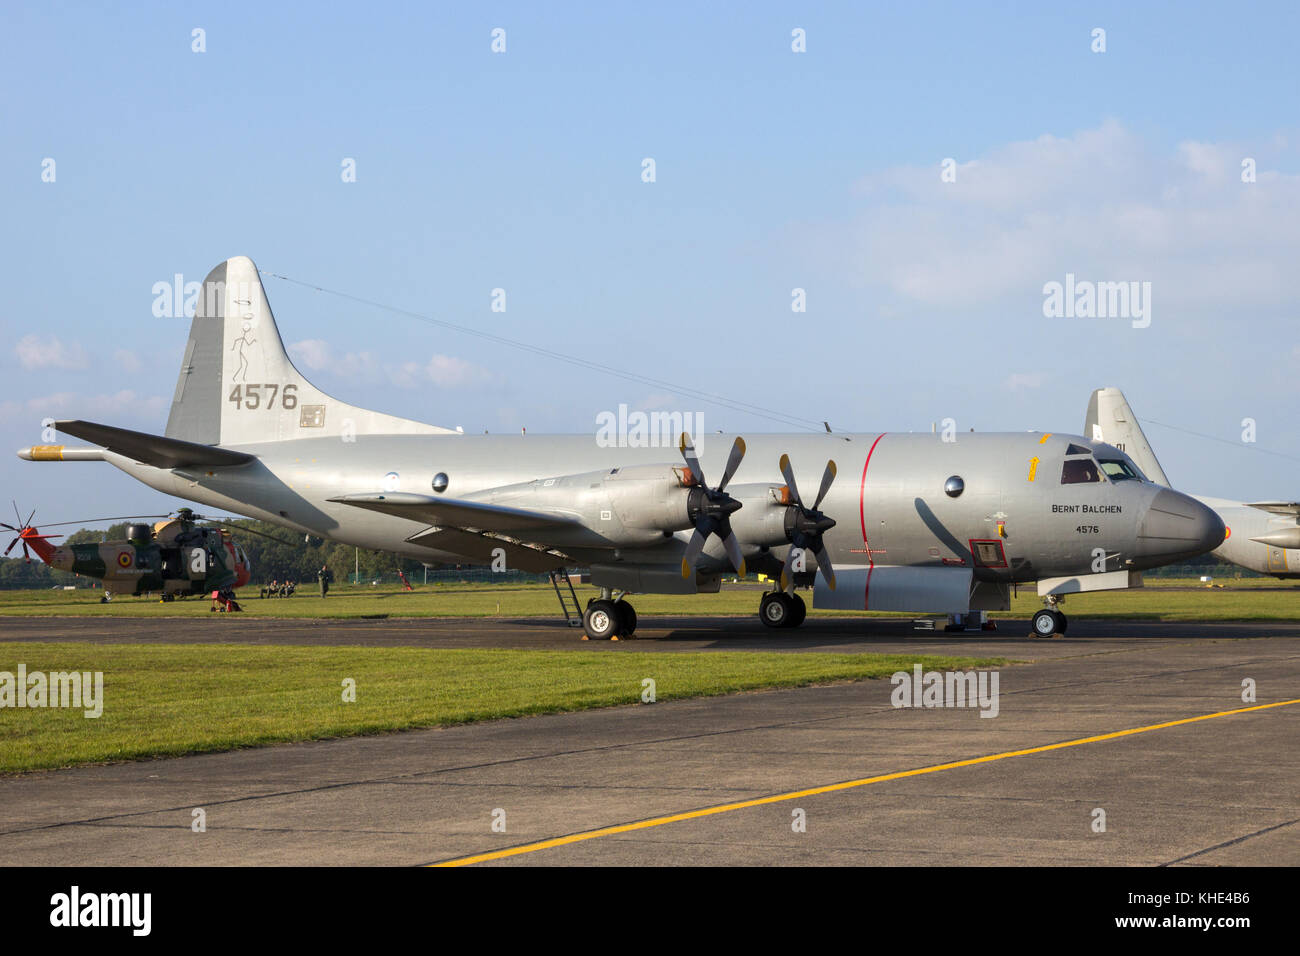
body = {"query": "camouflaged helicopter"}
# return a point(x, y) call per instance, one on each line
point(174, 556)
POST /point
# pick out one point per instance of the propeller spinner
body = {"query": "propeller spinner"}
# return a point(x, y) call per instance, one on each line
point(807, 525)
point(710, 508)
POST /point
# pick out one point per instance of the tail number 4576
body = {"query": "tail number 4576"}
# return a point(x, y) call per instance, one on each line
point(263, 396)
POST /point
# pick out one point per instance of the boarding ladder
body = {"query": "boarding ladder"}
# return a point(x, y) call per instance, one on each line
point(568, 597)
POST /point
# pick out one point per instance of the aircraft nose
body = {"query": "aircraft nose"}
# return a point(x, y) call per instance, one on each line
point(1178, 526)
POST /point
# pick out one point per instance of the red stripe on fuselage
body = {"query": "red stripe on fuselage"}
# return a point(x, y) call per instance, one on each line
point(862, 514)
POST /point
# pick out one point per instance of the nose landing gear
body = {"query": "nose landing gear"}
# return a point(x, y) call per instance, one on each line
point(1050, 622)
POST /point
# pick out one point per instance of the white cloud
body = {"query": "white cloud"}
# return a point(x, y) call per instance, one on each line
point(446, 371)
point(127, 361)
point(35, 352)
point(109, 408)
point(441, 371)
point(315, 354)
point(1104, 204)
point(1024, 380)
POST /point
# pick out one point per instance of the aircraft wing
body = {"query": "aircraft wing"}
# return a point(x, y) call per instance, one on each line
point(1289, 509)
point(484, 549)
point(458, 513)
point(153, 449)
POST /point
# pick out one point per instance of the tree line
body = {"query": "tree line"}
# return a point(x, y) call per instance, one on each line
point(286, 555)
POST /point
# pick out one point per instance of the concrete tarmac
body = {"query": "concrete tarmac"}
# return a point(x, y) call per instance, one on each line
point(1218, 791)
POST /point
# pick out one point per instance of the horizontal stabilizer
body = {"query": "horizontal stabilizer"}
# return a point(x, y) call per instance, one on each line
point(154, 449)
point(457, 513)
point(1289, 508)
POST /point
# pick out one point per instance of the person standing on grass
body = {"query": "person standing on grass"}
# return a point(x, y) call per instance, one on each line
point(323, 576)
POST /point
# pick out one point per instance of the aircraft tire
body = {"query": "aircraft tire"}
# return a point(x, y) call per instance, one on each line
point(776, 609)
point(799, 611)
point(1062, 622)
point(1045, 623)
point(627, 618)
point(601, 621)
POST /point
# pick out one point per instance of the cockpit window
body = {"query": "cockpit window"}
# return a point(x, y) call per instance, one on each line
point(1117, 470)
point(1076, 450)
point(1078, 471)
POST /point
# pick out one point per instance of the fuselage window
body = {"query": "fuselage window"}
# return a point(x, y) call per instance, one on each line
point(1077, 471)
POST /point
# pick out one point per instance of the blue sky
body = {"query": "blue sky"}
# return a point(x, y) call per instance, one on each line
point(775, 170)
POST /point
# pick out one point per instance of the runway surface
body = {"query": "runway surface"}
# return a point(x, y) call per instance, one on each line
point(826, 635)
point(1220, 790)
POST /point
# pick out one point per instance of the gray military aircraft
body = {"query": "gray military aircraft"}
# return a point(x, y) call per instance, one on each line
point(916, 523)
point(1263, 536)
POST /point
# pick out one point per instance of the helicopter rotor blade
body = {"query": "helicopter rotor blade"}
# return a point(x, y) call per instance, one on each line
point(240, 529)
point(64, 524)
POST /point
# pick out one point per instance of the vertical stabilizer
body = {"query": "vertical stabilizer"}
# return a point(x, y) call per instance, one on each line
point(1110, 419)
point(237, 385)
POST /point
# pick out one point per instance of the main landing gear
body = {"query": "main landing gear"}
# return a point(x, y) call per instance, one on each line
point(779, 609)
point(1050, 622)
point(608, 618)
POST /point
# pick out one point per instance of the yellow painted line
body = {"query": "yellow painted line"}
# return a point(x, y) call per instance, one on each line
point(831, 788)
point(1043, 440)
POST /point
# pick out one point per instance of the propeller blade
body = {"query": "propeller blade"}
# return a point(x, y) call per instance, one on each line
point(827, 477)
point(12, 545)
point(693, 549)
point(786, 580)
point(732, 545)
point(692, 462)
point(733, 462)
point(788, 474)
point(824, 565)
point(27, 555)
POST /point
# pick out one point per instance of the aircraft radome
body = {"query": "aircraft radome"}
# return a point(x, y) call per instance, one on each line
point(1263, 536)
point(899, 522)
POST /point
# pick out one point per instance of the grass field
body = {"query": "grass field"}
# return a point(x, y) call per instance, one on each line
point(1167, 599)
point(166, 700)
point(163, 700)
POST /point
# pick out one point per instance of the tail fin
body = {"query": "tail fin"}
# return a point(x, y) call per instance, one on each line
point(40, 543)
point(237, 385)
point(1111, 420)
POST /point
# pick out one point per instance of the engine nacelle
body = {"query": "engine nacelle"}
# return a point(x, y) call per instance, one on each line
point(765, 517)
point(632, 506)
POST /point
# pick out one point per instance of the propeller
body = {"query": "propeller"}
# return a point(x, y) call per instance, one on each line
point(805, 526)
point(710, 508)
